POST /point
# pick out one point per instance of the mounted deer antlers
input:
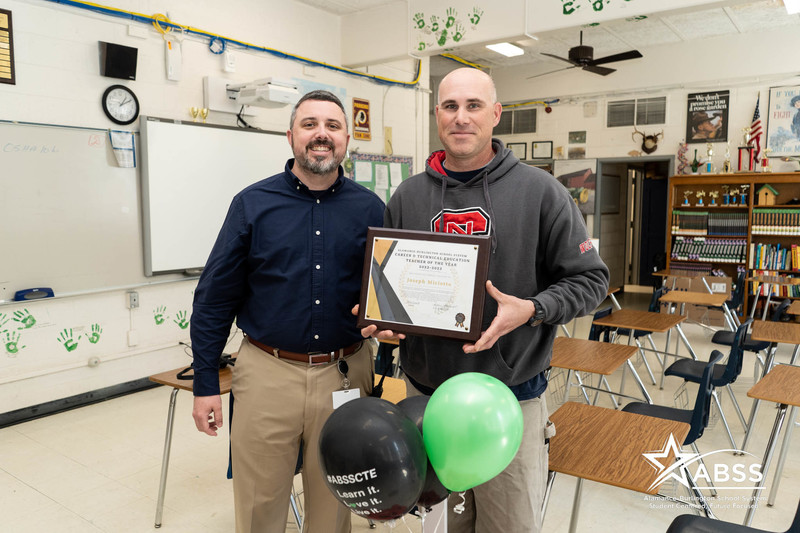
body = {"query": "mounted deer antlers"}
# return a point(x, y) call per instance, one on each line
point(649, 142)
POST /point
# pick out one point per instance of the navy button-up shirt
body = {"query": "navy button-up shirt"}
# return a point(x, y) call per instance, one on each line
point(287, 265)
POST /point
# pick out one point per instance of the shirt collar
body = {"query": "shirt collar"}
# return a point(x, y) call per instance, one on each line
point(298, 185)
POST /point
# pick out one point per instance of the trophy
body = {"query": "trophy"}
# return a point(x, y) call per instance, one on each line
point(700, 195)
point(726, 166)
point(709, 162)
point(194, 112)
point(686, 195)
point(714, 195)
point(726, 198)
point(746, 152)
point(765, 166)
point(743, 200)
point(204, 113)
point(733, 194)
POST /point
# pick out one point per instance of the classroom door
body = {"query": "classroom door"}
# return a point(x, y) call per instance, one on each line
point(653, 227)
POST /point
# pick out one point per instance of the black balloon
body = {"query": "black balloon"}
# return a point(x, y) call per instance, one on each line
point(373, 458)
point(433, 491)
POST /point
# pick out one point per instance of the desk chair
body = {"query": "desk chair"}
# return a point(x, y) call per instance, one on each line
point(721, 375)
point(637, 334)
point(726, 338)
point(687, 523)
point(697, 418)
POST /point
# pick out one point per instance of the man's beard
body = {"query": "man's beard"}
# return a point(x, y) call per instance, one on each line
point(315, 166)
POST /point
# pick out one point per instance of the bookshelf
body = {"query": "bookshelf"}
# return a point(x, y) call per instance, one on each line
point(706, 235)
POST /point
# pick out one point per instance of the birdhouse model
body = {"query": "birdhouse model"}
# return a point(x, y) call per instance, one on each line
point(766, 195)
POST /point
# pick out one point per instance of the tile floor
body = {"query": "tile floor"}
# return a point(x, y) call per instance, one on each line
point(96, 469)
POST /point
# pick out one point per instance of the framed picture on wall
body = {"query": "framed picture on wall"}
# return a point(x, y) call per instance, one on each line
point(542, 150)
point(783, 121)
point(519, 149)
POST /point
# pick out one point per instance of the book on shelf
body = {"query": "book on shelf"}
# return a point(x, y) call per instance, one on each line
point(732, 224)
point(711, 249)
point(780, 221)
point(764, 256)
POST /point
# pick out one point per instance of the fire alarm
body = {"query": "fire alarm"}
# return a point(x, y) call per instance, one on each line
point(547, 109)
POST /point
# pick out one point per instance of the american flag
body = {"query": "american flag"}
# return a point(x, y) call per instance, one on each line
point(755, 132)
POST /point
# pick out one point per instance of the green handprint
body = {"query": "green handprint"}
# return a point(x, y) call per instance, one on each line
point(66, 339)
point(458, 34)
point(12, 341)
point(434, 23)
point(475, 18)
point(567, 7)
point(95, 336)
point(180, 319)
point(421, 46)
point(419, 18)
point(451, 17)
point(158, 315)
point(597, 5)
point(25, 318)
point(442, 38)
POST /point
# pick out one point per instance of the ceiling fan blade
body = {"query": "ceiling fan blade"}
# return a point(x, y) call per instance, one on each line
point(561, 58)
point(631, 54)
point(551, 72)
point(603, 71)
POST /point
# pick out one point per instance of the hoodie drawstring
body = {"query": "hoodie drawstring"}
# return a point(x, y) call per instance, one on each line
point(491, 212)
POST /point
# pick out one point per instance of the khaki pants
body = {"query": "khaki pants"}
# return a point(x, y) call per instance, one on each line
point(512, 501)
point(276, 404)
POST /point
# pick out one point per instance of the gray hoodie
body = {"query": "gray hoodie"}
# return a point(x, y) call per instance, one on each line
point(540, 248)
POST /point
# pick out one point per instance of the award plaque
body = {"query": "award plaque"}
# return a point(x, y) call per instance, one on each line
point(424, 283)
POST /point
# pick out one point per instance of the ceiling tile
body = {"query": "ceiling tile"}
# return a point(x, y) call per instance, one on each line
point(702, 24)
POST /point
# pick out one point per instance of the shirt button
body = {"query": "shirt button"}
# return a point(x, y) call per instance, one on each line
point(317, 267)
point(298, 187)
point(317, 232)
point(317, 200)
point(316, 302)
point(316, 337)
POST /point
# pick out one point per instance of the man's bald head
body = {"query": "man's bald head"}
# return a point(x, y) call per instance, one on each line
point(468, 75)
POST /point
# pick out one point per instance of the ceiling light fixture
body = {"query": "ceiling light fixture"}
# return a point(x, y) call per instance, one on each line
point(792, 6)
point(507, 49)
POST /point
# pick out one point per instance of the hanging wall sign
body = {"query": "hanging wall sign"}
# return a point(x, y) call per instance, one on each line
point(707, 117)
point(361, 129)
point(6, 48)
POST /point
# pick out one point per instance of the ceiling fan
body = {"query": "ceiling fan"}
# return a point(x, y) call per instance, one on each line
point(582, 56)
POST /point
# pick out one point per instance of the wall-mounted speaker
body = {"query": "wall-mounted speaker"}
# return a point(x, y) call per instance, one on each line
point(117, 61)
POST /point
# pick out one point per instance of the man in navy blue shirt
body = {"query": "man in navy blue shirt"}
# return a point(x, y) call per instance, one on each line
point(287, 266)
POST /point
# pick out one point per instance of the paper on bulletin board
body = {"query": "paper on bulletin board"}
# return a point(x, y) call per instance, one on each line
point(363, 171)
point(395, 174)
point(381, 177)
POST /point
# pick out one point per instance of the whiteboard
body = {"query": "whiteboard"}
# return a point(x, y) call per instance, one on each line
point(190, 174)
point(69, 216)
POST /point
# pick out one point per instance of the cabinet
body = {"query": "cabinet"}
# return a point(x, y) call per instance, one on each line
point(707, 234)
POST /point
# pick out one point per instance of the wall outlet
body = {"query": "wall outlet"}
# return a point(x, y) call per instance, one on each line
point(229, 61)
point(133, 338)
point(133, 299)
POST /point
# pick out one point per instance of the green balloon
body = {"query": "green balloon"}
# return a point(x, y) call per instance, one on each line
point(472, 429)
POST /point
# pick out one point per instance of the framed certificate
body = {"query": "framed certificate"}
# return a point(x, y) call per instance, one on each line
point(424, 283)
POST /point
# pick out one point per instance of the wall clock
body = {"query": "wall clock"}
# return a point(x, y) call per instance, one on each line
point(120, 104)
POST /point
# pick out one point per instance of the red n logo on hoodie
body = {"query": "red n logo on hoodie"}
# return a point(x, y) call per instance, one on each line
point(469, 221)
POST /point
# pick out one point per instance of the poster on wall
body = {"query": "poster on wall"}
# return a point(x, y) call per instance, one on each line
point(707, 117)
point(783, 121)
point(6, 48)
point(578, 176)
point(361, 129)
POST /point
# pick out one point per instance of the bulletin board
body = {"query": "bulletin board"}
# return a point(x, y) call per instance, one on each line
point(381, 173)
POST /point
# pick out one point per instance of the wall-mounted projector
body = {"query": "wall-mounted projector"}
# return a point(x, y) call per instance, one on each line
point(266, 92)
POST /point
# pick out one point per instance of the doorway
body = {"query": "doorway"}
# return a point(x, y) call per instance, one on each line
point(632, 202)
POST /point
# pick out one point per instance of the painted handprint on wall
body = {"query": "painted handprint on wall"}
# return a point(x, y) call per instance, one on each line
point(67, 340)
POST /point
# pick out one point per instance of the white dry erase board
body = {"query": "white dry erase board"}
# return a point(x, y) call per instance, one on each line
point(69, 216)
point(190, 172)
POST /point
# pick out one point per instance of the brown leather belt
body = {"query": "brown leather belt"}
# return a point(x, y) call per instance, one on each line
point(319, 358)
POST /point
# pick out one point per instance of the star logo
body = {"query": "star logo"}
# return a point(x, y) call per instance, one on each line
point(677, 470)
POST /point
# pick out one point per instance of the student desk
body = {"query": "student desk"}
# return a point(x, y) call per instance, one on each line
point(648, 321)
point(606, 446)
point(794, 309)
point(705, 299)
point(779, 386)
point(596, 357)
point(394, 390)
point(773, 332)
